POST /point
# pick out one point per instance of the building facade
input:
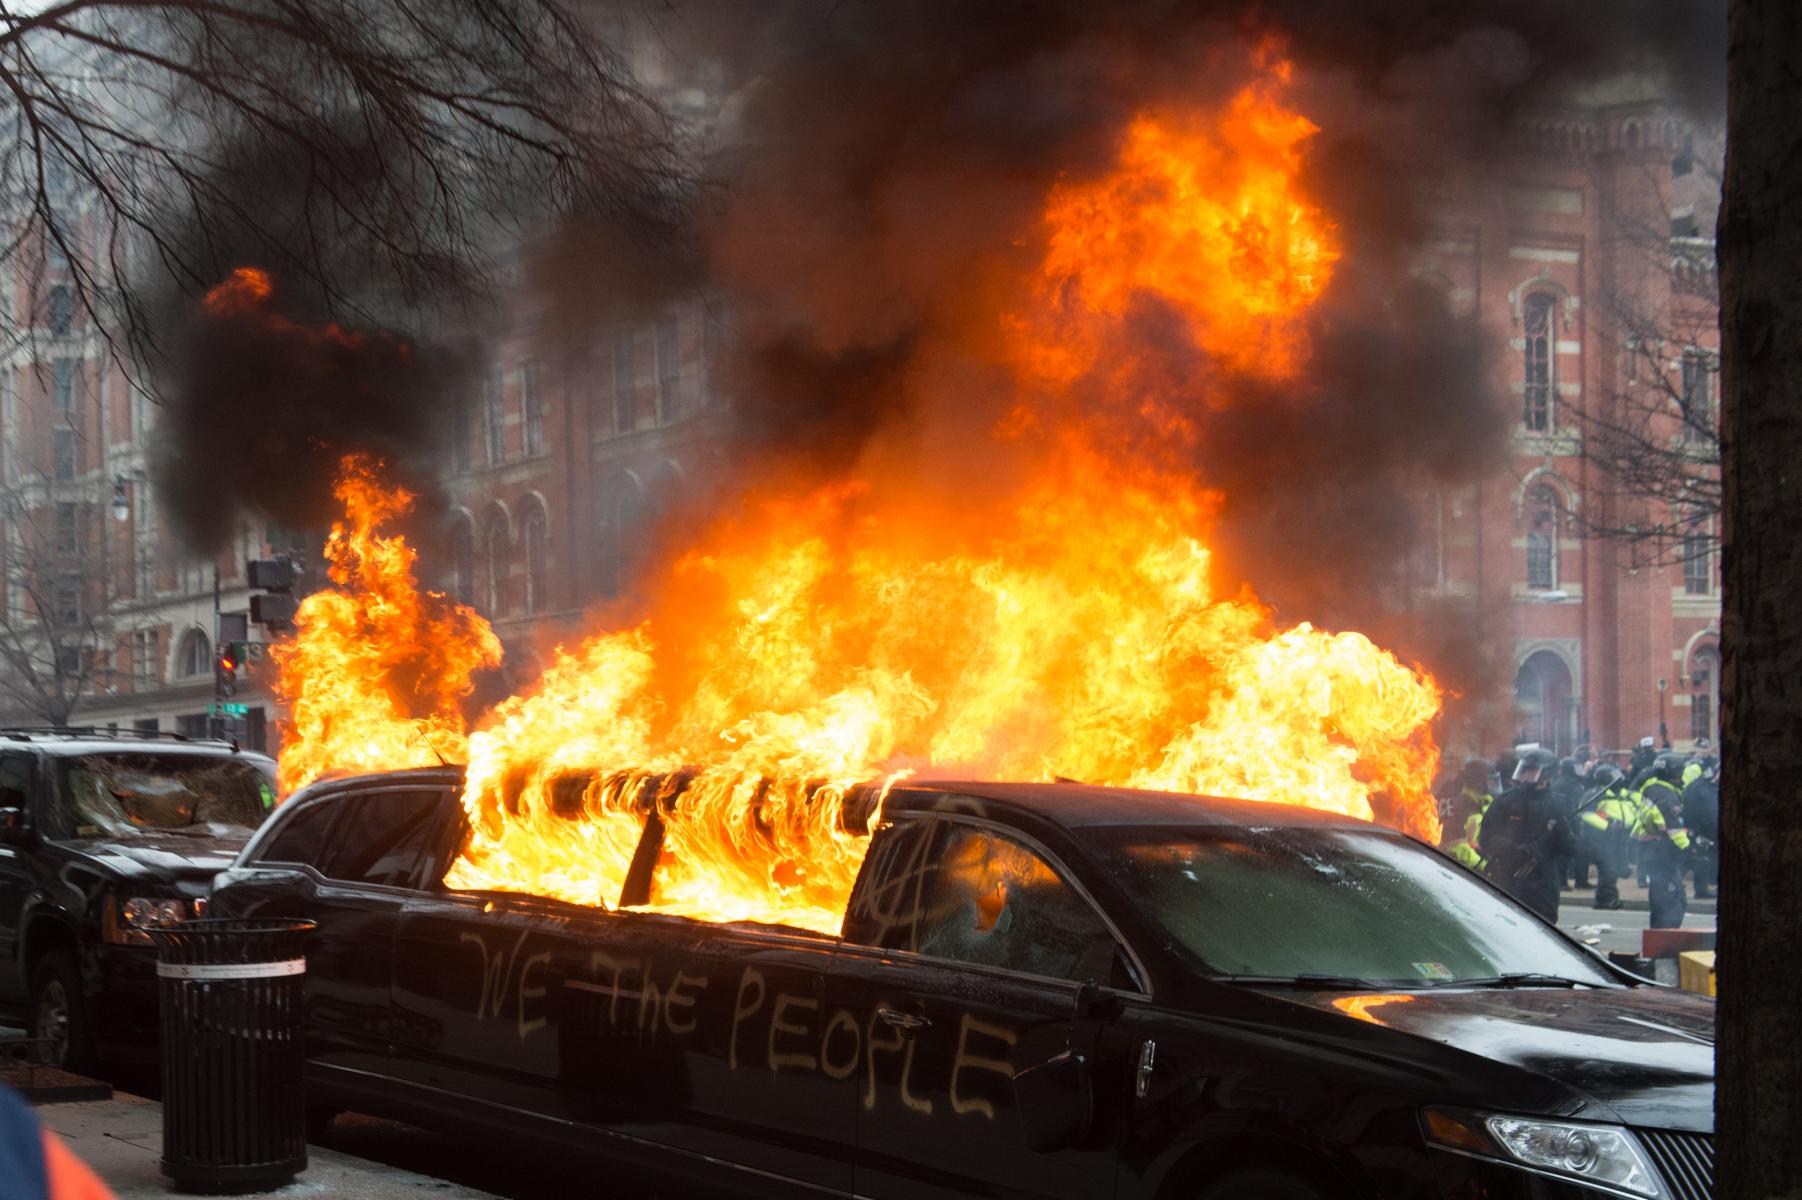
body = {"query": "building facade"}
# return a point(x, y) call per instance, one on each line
point(1595, 581)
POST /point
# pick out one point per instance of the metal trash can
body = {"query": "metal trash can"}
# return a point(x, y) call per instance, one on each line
point(234, 1115)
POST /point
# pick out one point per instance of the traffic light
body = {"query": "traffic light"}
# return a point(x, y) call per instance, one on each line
point(226, 670)
point(275, 605)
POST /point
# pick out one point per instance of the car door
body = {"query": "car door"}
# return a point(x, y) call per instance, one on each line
point(17, 872)
point(476, 995)
point(738, 1058)
point(967, 955)
point(679, 1038)
point(348, 862)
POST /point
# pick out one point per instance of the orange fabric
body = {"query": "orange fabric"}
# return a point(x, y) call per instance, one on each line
point(70, 1178)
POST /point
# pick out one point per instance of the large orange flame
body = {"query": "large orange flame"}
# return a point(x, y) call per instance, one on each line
point(849, 635)
point(377, 668)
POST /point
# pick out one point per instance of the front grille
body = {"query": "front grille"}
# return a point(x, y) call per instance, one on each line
point(1686, 1160)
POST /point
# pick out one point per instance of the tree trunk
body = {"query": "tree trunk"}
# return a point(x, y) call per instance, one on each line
point(1759, 1096)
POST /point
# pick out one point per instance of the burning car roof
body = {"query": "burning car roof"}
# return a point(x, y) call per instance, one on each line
point(1064, 802)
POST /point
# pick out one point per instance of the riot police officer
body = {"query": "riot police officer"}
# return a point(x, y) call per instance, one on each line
point(1663, 841)
point(1461, 814)
point(1526, 835)
point(1606, 821)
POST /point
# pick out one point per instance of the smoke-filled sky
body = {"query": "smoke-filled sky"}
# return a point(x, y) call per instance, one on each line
point(884, 164)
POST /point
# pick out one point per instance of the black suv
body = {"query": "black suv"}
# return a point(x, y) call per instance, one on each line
point(102, 837)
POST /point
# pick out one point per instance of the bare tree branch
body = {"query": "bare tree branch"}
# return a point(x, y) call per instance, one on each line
point(382, 156)
point(1654, 434)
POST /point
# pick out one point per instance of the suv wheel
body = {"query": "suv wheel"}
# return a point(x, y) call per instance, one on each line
point(59, 1011)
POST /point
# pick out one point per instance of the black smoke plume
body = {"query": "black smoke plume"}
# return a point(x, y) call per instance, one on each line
point(271, 394)
point(899, 156)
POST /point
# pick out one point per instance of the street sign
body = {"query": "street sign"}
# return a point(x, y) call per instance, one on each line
point(228, 710)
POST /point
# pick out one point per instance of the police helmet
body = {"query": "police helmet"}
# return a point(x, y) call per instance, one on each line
point(1535, 766)
point(1669, 767)
point(1568, 766)
point(1606, 776)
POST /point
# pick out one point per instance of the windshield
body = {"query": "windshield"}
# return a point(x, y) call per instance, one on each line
point(112, 795)
point(1361, 905)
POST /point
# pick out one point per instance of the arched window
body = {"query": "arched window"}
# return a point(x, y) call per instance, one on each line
point(195, 655)
point(622, 533)
point(1543, 517)
point(1538, 374)
point(537, 575)
point(1543, 711)
point(1705, 693)
point(500, 552)
point(463, 563)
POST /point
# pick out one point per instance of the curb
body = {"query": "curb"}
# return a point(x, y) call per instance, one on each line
point(1571, 900)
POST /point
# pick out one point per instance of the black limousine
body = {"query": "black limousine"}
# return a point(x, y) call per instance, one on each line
point(1038, 990)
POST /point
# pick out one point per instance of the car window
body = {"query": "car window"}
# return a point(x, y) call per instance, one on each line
point(1366, 904)
point(15, 781)
point(383, 837)
point(994, 902)
point(120, 793)
point(301, 839)
point(889, 903)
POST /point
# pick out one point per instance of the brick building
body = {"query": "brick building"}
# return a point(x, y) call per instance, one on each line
point(1589, 268)
point(561, 464)
point(104, 618)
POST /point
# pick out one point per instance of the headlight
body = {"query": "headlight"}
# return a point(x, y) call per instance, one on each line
point(126, 920)
point(1603, 1156)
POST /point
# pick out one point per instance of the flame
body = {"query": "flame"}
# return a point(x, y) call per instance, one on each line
point(1202, 213)
point(376, 670)
point(805, 653)
point(244, 290)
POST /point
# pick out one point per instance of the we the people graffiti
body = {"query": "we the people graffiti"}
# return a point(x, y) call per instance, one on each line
point(766, 1027)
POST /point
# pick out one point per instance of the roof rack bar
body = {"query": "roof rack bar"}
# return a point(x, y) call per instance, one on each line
point(24, 733)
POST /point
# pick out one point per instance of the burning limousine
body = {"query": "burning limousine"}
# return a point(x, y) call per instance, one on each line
point(1036, 990)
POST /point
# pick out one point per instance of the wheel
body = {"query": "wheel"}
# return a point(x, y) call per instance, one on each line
point(1260, 1183)
point(319, 1119)
point(59, 1012)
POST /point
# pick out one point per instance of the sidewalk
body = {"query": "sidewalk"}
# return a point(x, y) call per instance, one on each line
point(122, 1140)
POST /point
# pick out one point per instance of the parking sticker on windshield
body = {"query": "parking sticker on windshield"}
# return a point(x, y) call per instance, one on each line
point(1432, 970)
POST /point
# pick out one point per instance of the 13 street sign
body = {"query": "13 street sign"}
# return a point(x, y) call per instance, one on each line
point(228, 710)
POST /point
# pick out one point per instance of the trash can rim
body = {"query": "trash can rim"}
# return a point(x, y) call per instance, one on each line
point(237, 925)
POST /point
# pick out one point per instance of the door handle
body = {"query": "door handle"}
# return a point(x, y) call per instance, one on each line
point(1148, 1057)
point(895, 1018)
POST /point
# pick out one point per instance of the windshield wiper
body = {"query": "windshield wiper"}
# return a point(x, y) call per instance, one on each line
point(1326, 983)
point(1516, 979)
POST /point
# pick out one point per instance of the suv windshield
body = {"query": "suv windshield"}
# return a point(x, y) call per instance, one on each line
point(108, 795)
point(1350, 905)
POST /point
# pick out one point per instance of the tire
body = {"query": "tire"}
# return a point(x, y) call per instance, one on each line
point(59, 1012)
point(1260, 1183)
point(319, 1120)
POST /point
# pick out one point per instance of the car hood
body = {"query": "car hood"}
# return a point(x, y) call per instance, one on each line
point(165, 857)
point(1645, 1054)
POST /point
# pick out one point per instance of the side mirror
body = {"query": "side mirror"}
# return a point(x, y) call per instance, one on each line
point(1055, 1102)
point(12, 826)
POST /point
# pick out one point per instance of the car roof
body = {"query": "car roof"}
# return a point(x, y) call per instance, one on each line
point(70, 745)
point(1077, 805)
point(445, 776)
point(1080, 805)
